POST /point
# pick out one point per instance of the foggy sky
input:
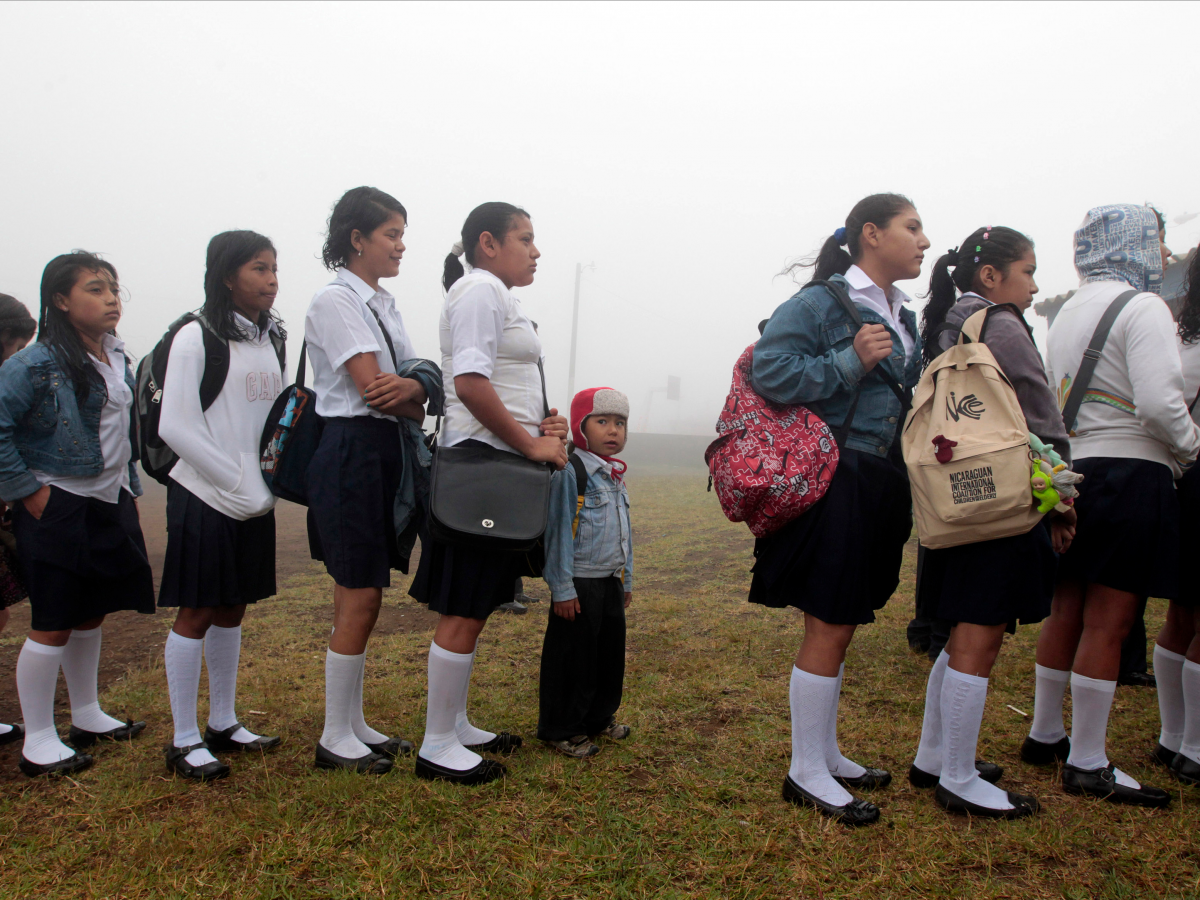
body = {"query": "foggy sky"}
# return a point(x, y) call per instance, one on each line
point(688, 151)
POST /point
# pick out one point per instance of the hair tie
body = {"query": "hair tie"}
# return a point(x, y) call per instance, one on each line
point(457, 249)
point(840, 236)
point(953, 254)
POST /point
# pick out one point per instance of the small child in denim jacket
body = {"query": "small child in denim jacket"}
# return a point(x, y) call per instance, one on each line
point(589, 568)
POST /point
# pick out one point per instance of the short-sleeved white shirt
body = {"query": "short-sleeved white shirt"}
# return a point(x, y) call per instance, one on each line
point(340, 325)
point(483, 330)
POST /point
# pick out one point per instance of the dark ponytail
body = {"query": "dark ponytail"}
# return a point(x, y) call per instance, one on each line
point(496, 219)
point(1189, 315)
point(878, 210)
point(997, 247)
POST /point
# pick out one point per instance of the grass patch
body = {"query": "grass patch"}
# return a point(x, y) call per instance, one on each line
point(688, 807)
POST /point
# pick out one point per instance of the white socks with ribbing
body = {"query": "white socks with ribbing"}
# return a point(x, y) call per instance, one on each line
point(81, 668)
point(1190, 678)
point(358, 722)
point(467, 733)
point(1168, 672)
point(181, 657)
point(929, 751)
point(449, 677)
point(1048, 696)
point(222, 651)
point(834, 761)
point(343, 680)
point(1091, 701)
point(962, 701)
point(37, 678)
point(813, 699)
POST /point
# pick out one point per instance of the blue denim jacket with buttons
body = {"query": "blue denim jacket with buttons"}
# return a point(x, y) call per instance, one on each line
point(43, 427)
point(603, 545)
point(806, 356)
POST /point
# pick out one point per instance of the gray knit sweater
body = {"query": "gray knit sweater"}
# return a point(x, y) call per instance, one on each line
point(1011, 343)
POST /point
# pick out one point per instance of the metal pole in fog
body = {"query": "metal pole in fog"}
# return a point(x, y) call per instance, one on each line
point(574, 334)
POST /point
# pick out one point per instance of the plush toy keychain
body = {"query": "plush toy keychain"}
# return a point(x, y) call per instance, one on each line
point(1053, 483)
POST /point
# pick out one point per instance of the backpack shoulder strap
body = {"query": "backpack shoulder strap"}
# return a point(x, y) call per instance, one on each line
point(387, 338)
point(1091, 356)
point(975, 326)
point(216, 364)
point(580, 488)
point(280, 346)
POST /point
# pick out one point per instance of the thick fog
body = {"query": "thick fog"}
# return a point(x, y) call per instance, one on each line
point(687, 151)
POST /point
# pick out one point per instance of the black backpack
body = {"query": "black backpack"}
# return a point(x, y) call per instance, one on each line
point(157, 458)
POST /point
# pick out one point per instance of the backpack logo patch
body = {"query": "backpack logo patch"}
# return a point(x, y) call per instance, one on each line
point(972, 485)
point(970, 406)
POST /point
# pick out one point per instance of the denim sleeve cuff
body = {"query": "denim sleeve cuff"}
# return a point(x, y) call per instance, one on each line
point(562, 594)
point(849, 365)
point(18, 487)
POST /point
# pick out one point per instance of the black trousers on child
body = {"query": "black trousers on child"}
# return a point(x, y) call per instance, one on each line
point(583, 663)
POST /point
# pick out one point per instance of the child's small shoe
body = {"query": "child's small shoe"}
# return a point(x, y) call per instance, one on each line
point(616, 732)
point(578, 747)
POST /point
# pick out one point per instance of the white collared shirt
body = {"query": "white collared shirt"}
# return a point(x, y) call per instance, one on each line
point(484, 331)
point(866, 292)
point(115, 448)
point(339, 325)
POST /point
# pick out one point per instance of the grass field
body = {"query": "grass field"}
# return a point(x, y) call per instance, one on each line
point(688, 807)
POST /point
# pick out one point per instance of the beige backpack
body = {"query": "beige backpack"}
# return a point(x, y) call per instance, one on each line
point(966, 446)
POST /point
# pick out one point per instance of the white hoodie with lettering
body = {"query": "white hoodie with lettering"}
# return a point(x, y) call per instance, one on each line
point(218, 449)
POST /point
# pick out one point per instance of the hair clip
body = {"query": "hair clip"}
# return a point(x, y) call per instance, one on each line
point(986, 235)
point(977, 259)
point(977, 249)
point(840, 235)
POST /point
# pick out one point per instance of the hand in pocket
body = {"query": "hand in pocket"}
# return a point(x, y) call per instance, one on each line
point(36, 502)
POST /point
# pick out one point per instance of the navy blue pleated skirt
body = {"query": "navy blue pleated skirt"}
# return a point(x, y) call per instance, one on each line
point(1189, 537)
point(213, 559)
point(1128, 533)
point(352, 482)
point(840, 561)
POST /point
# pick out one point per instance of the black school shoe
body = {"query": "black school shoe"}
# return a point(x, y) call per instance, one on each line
point(502, 743)
point(68, 766)
point(1102, 783)
point(856, 812)
point(1163, 756)
point(1038, 754)
point(176, 759)
point(11, 737)
point(1137, 679)
point(989, 772)
point(868, 780)
point(223, 742)
point(1022, 805)
point(1185, 769)
point(371, 764)
point(393, 747)
point(487, 770)
point(81, 740)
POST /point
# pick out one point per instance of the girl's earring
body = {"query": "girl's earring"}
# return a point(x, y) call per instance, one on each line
point(360, 253)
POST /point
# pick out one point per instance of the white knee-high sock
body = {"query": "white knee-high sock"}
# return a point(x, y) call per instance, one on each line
point(358, 722)
point(448, 674)
point(1190, 745)
point(222, 652)
point(929, 751)
point(468, 733)
point(81, 668)
point(834, 760)
point(1091, 702)
point(1048, 696)
point(962, 701)
point(181, 658)
point(342, 672)
point(1168, 672)
point(37, 677)
point(811, 697)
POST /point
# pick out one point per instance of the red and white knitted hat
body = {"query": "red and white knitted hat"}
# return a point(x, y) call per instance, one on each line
point(595, 402)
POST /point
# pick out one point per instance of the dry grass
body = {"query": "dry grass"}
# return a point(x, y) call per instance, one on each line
point(688, 807)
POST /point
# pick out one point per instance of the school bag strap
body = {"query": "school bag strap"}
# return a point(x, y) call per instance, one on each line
point(387, 338)
point(580, 489)
point(972, 330)
point(1091, 356)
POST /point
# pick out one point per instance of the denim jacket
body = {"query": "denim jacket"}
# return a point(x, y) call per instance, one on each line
point(42, 427)
point(603, 545)
point(806, 356)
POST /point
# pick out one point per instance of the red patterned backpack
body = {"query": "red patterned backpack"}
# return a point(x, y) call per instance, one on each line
point(771, 462)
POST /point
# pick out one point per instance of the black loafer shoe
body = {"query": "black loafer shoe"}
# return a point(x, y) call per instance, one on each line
point(177, 763)
point(393, 747)
point(1022, 806)
point(1038, 754)
point(1185, 769)
point(11, 737)
point(868, 780)
point(487, 770)
point(223, 742)
point(81, 739)
point(502, 743)
point(1163, 756)
point(1102, 783)
point(856, 812)
point(371, 764)
point(68, 766)
point(989, 772)
point(1137, 679)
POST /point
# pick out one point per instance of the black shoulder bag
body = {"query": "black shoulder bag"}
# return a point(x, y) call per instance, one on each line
point(489, 498)
point(1091, 356)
